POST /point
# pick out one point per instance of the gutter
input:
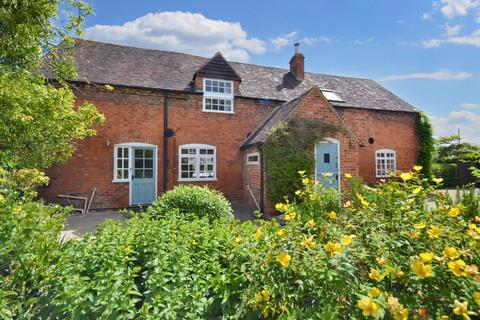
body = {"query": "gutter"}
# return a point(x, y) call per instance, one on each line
point(165, 142)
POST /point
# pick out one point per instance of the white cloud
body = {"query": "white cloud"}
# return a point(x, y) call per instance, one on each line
point(452, 30)
point(313, 40)
point(362, 42)
point(454, 8)
point(471, 40)
point(182, 31)
point(437, 75)
point(466, 121)
point(283, 40)
point(470, 106)
point(426, 16)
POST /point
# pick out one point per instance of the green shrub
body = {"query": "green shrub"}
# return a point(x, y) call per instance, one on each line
point(192, 200)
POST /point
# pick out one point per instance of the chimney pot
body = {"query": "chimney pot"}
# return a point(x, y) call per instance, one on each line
point(297, 63)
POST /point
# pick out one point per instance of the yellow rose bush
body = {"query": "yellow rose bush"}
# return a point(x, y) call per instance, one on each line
point(399, 251)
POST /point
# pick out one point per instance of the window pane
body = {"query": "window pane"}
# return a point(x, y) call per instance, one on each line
point(148, 164)
point(119, 164)
point(138, 174)
point(125, 163)
point(119, 152)
point(125, 174)
point(184, 151)
point(211, 151)
point(119, 174)
point(148, 153)
point(149, 173)
point(138, 153)
point(125, 152)
point(138, 163)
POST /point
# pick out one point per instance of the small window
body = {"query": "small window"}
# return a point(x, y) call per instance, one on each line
point(331, 96)
point(217, 96)
point(326, 158)
point(121, 164)
point(386, 161)
point(253, 158)
point(197, 162)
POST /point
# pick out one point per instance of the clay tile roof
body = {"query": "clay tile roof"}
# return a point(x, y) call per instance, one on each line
point(105, 63)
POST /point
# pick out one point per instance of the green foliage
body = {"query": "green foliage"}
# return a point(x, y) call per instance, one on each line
point(29, 240)
point(191, 200)
point(32, 29)
point(288, 150)
point(319, 265)
point(426, 144)
point(39, 122)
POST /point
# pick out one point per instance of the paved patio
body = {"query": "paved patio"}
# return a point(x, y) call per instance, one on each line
point(77, 224)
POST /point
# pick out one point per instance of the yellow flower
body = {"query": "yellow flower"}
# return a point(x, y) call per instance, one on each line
point(298, 192)
point(279, 206)
point(476, 297)
point(308, 242)
point(401, 314)
point(348, 176)
point(305, 181)
point(381, 261)
point(417, 168)
point(414, 234)
point(347, 204)
point(375, 275)
point(281, 233)
point(417, 190)
point(265, 294)
point(472, 270)
point(333, 248)
point(393, 304)
point(362, 200)
point(454, 212)
point(434, 232)
point(332, 214)
point(420, 225)
point(461, 309)
point(310, 224)
point(290, 216)
point(327, 174)
point(374, 292)
point(284, 259)
point(457, 267)
point(426, 256)
point(346, 240)
point(437, 180)
point(406, 176)
point(369, 307)
point(238, 239)
point(258, 235)
point(451, 252)
point(421, 270)
point(444, 317)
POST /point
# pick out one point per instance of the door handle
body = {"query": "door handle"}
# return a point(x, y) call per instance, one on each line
point(133, 177)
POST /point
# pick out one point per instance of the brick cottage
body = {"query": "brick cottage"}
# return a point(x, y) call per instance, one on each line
point(175, 118)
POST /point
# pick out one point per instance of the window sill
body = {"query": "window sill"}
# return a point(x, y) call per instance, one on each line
point(123, 180)
point(218, 111)
point(252, 163)
point(197, 180)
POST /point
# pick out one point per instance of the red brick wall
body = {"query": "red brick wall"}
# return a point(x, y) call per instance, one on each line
point(134, 115)
point(390, 130)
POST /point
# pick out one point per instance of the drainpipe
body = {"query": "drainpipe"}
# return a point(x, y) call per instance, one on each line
point(165, 142)
point(262, 184)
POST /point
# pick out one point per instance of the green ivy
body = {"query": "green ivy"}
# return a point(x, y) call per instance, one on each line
point(426, 144)
point(288, 150)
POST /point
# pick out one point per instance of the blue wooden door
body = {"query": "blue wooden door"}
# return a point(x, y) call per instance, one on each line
point(143, 176)
point(327, 162)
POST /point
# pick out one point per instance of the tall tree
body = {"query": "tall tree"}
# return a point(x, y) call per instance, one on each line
point(39, 121)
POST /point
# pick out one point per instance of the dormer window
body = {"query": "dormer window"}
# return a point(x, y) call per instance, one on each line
point(217, 95)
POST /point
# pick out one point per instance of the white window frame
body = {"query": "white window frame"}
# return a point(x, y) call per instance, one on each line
point(217, 95)
point(377, 157)
point(197, 157)
point(253, 154)
point(115, 163)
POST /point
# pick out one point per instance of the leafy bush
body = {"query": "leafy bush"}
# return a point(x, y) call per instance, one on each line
point(385, 253)
point(29, 238)
point(192, 200)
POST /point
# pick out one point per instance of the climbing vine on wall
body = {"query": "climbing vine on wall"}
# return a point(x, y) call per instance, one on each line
point(426, 144)
point(288, 149)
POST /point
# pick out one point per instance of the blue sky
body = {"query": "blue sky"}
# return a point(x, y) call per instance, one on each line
point(427, 52)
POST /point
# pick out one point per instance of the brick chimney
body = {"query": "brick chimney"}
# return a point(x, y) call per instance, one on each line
point(297, 63)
